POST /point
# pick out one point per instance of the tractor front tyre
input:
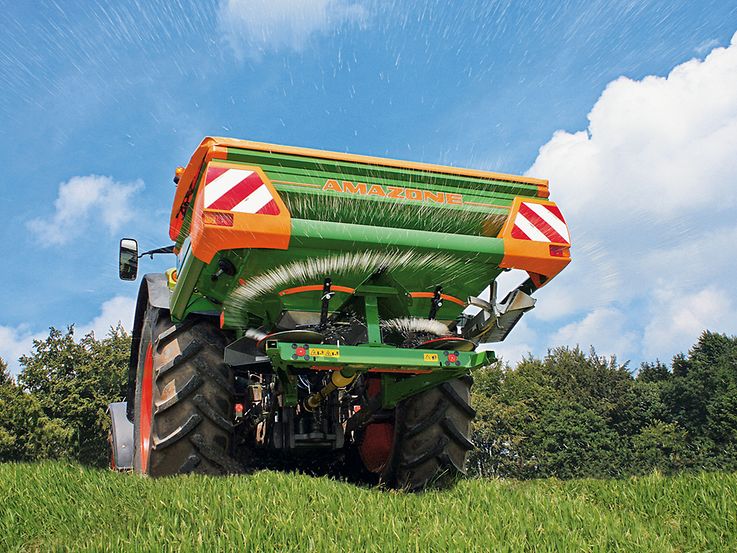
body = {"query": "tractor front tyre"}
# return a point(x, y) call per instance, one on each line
point(184, 398)
point(431, 437)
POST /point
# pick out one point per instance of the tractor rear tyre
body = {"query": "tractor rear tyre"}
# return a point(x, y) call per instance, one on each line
point(184, 398)
point(431, 437)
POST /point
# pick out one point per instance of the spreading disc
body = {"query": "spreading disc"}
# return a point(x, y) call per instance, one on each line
point(449, 343)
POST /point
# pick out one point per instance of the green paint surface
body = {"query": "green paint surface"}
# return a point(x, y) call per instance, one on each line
point(328, 224)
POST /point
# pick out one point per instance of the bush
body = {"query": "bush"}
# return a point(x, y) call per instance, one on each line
point(57, 408)
point(568, 415)
point(573, 415)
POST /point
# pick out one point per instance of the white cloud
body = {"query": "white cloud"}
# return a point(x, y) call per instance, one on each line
point(659, 147)
point(252, 27)
point(17, 341)
point(118, 309)
point(84, 199)
point(648, 192)
point(680, 319)
point(605, 329)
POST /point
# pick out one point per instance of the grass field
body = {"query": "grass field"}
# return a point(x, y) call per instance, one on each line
point(56, 506)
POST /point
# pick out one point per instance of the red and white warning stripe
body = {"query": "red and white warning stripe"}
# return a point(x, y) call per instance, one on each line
point(238, 190)
point(540, 223)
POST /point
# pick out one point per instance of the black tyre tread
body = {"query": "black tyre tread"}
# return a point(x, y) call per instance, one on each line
point(456, 435)
point(425, 456)
point(225, 462)
point(180, 395)
point(459, 402)
point(191, 430)
point(434, 418)
point(447, 462)
point(179, 433)
point(207, 410)
point(192, 349)
point(215, 374)
point(431, 440)
point(173, 331)
point(190, 464)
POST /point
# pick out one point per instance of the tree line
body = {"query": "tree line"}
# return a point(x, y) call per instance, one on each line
point(569, 414)
point(573, 414)
point(56, 408)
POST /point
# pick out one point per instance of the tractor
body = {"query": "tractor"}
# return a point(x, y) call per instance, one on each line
point(326, 309)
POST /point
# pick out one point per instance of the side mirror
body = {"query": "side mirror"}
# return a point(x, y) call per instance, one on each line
point(128, 259)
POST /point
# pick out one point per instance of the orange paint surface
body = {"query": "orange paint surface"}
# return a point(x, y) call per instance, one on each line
point(431, 295)
point(528, 255)
point(315, 288)
point(212, 148)
point(249, 230)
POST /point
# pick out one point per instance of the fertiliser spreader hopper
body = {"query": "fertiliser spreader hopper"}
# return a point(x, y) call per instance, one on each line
point(324, 309)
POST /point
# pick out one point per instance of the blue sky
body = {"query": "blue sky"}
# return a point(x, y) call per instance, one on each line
point(629, 108)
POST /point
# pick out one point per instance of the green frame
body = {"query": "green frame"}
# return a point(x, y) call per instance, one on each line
point(461, 239)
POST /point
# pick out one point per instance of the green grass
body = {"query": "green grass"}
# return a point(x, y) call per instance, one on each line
point(55, 506)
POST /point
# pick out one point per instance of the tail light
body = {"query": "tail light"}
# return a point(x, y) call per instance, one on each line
point(218, 219)
point(560, 251)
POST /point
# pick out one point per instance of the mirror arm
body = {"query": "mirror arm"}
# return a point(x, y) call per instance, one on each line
point(151, 253)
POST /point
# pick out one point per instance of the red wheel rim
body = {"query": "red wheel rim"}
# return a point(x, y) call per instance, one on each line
point(144, 419)
point(378, 438)
point(376, 445)
point(112, 453)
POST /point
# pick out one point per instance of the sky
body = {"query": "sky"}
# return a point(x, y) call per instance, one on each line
point(628, 108)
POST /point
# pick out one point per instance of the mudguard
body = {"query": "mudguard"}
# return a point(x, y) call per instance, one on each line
point(121, 437)
point(157, 289)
